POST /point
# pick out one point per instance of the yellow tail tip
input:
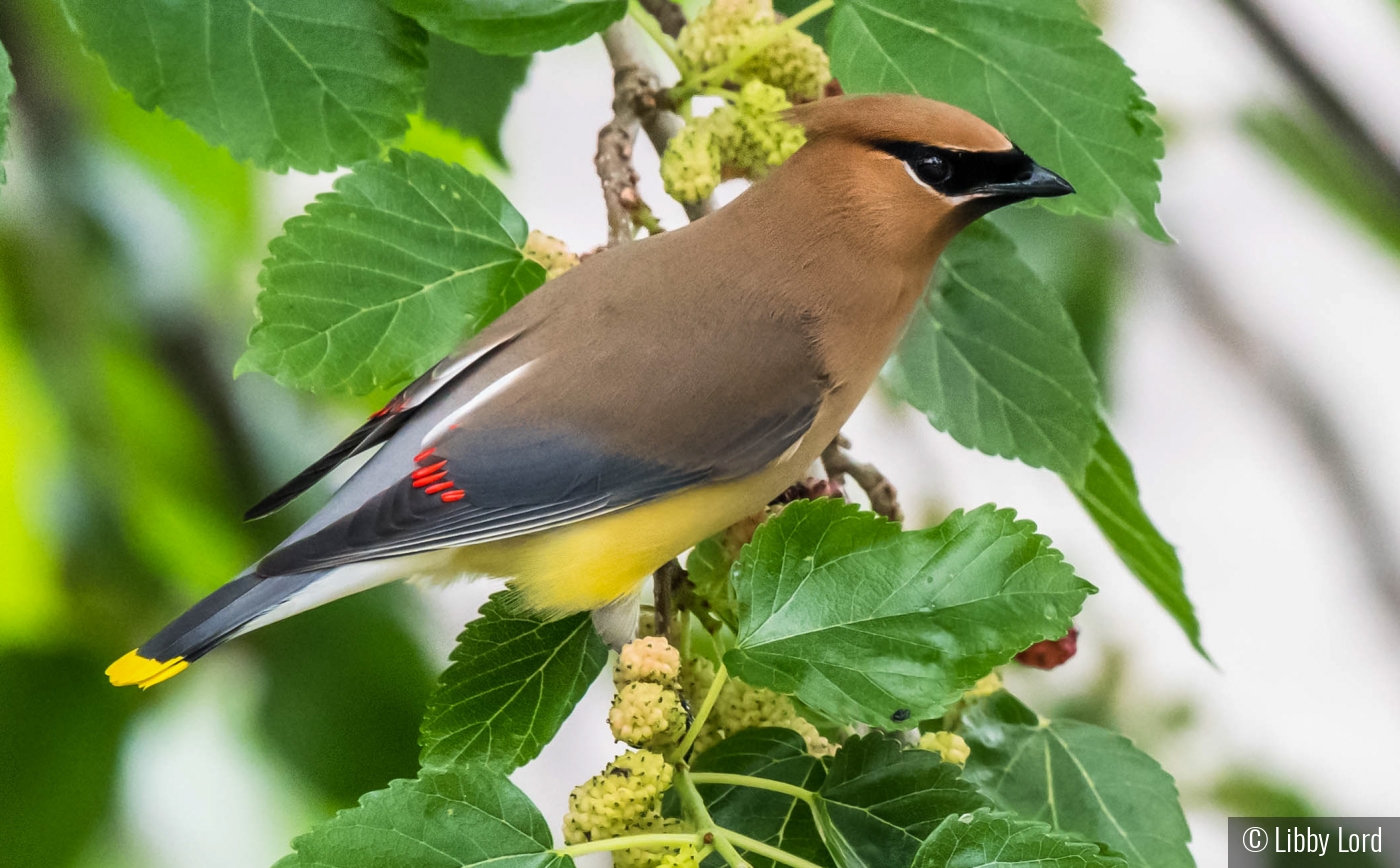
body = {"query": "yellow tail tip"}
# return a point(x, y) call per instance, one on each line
point(144, 672)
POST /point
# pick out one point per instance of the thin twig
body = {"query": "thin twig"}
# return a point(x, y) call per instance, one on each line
point(665, 582)
point(839, 464)
point(628, 842)
point(693, 806)
point(1330, 105)
point(646, 104)
point(669, 15)
point(634, 95)
point(1284, 384)
point(698, 722)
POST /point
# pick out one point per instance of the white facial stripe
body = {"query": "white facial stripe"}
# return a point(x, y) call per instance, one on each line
point(917, 180)
point(477, 400)
point(955, 200)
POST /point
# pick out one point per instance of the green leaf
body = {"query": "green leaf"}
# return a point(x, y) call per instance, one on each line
point(384, 276)
point(514, 678)
point(450, 819)
point(514, 26)
point(301, 84)
point(1037, 69)
point(881, 801)
point(708, 566)
point(984, 839)
point(1082, 261)
point(1079, 778)
point(1320, 160)
point(773, 754)
point(1110, 494)
point(815, 27)
point(7, 90)
point(865, 623)
point(471, 92)
point(992, 358)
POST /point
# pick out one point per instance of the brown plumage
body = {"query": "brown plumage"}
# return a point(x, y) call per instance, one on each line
point(657, 392)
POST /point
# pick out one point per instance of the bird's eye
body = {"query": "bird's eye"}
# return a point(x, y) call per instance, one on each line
point(931, 169)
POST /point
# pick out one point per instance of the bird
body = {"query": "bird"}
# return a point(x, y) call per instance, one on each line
point(647, 398)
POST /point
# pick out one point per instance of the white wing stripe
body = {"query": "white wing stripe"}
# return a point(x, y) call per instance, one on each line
point(456, 416)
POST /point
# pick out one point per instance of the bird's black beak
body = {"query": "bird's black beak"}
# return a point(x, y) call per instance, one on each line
point(1042, 183)
point(1031, 181)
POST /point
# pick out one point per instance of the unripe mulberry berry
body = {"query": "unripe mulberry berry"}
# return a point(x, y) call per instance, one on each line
point(647, 715)
point(655, 856)
point(741, 706)
point(619, 797)
point(746, 139)
point(725, 29)
point(797, 64)
point(650, 658)
point(690, 168)
point(985, 686)
point(550, 252)
point(753, 134)
point(949, 745)
point(685, 856)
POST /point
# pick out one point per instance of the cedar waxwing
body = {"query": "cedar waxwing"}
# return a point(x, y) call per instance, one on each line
point(646, 399)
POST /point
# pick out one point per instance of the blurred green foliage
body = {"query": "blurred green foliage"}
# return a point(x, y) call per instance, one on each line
point(127, 457)
point(1318, 158)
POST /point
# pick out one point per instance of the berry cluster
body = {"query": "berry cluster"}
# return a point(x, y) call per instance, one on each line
point(648, 710)
point(741, 43)
point(741, 707)
point(549, 252)
point(742, 139)
point(727, 30)
point(625, 799)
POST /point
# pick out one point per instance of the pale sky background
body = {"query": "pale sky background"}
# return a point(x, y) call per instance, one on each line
point(1308, 684)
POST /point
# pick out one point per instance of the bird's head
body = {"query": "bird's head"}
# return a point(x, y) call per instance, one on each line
point(920, 170)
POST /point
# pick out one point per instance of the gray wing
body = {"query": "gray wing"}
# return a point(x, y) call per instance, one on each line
point(543, 453)
point(383, 424)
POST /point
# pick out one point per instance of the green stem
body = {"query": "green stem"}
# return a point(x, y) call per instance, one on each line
point(653, 29)
point(777, 854)
point(699, 721)
point(721, 93)
point(720, 74)
point(753, 783)
point(603, 845)
point(694, 808)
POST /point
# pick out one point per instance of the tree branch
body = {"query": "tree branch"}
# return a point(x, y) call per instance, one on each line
point(1321, 96)
point(1288, 389)
point(634, 95)
point(839, 464)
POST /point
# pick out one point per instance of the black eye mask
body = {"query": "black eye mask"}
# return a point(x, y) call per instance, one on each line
point(963, 173)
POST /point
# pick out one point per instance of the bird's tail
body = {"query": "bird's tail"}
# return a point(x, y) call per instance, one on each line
point(247, 602)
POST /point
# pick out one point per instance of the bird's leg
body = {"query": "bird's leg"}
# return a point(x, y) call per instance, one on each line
point(839, 464)
point(664, 584)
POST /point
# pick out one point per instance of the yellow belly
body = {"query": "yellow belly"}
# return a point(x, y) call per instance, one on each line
point(591, 563)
